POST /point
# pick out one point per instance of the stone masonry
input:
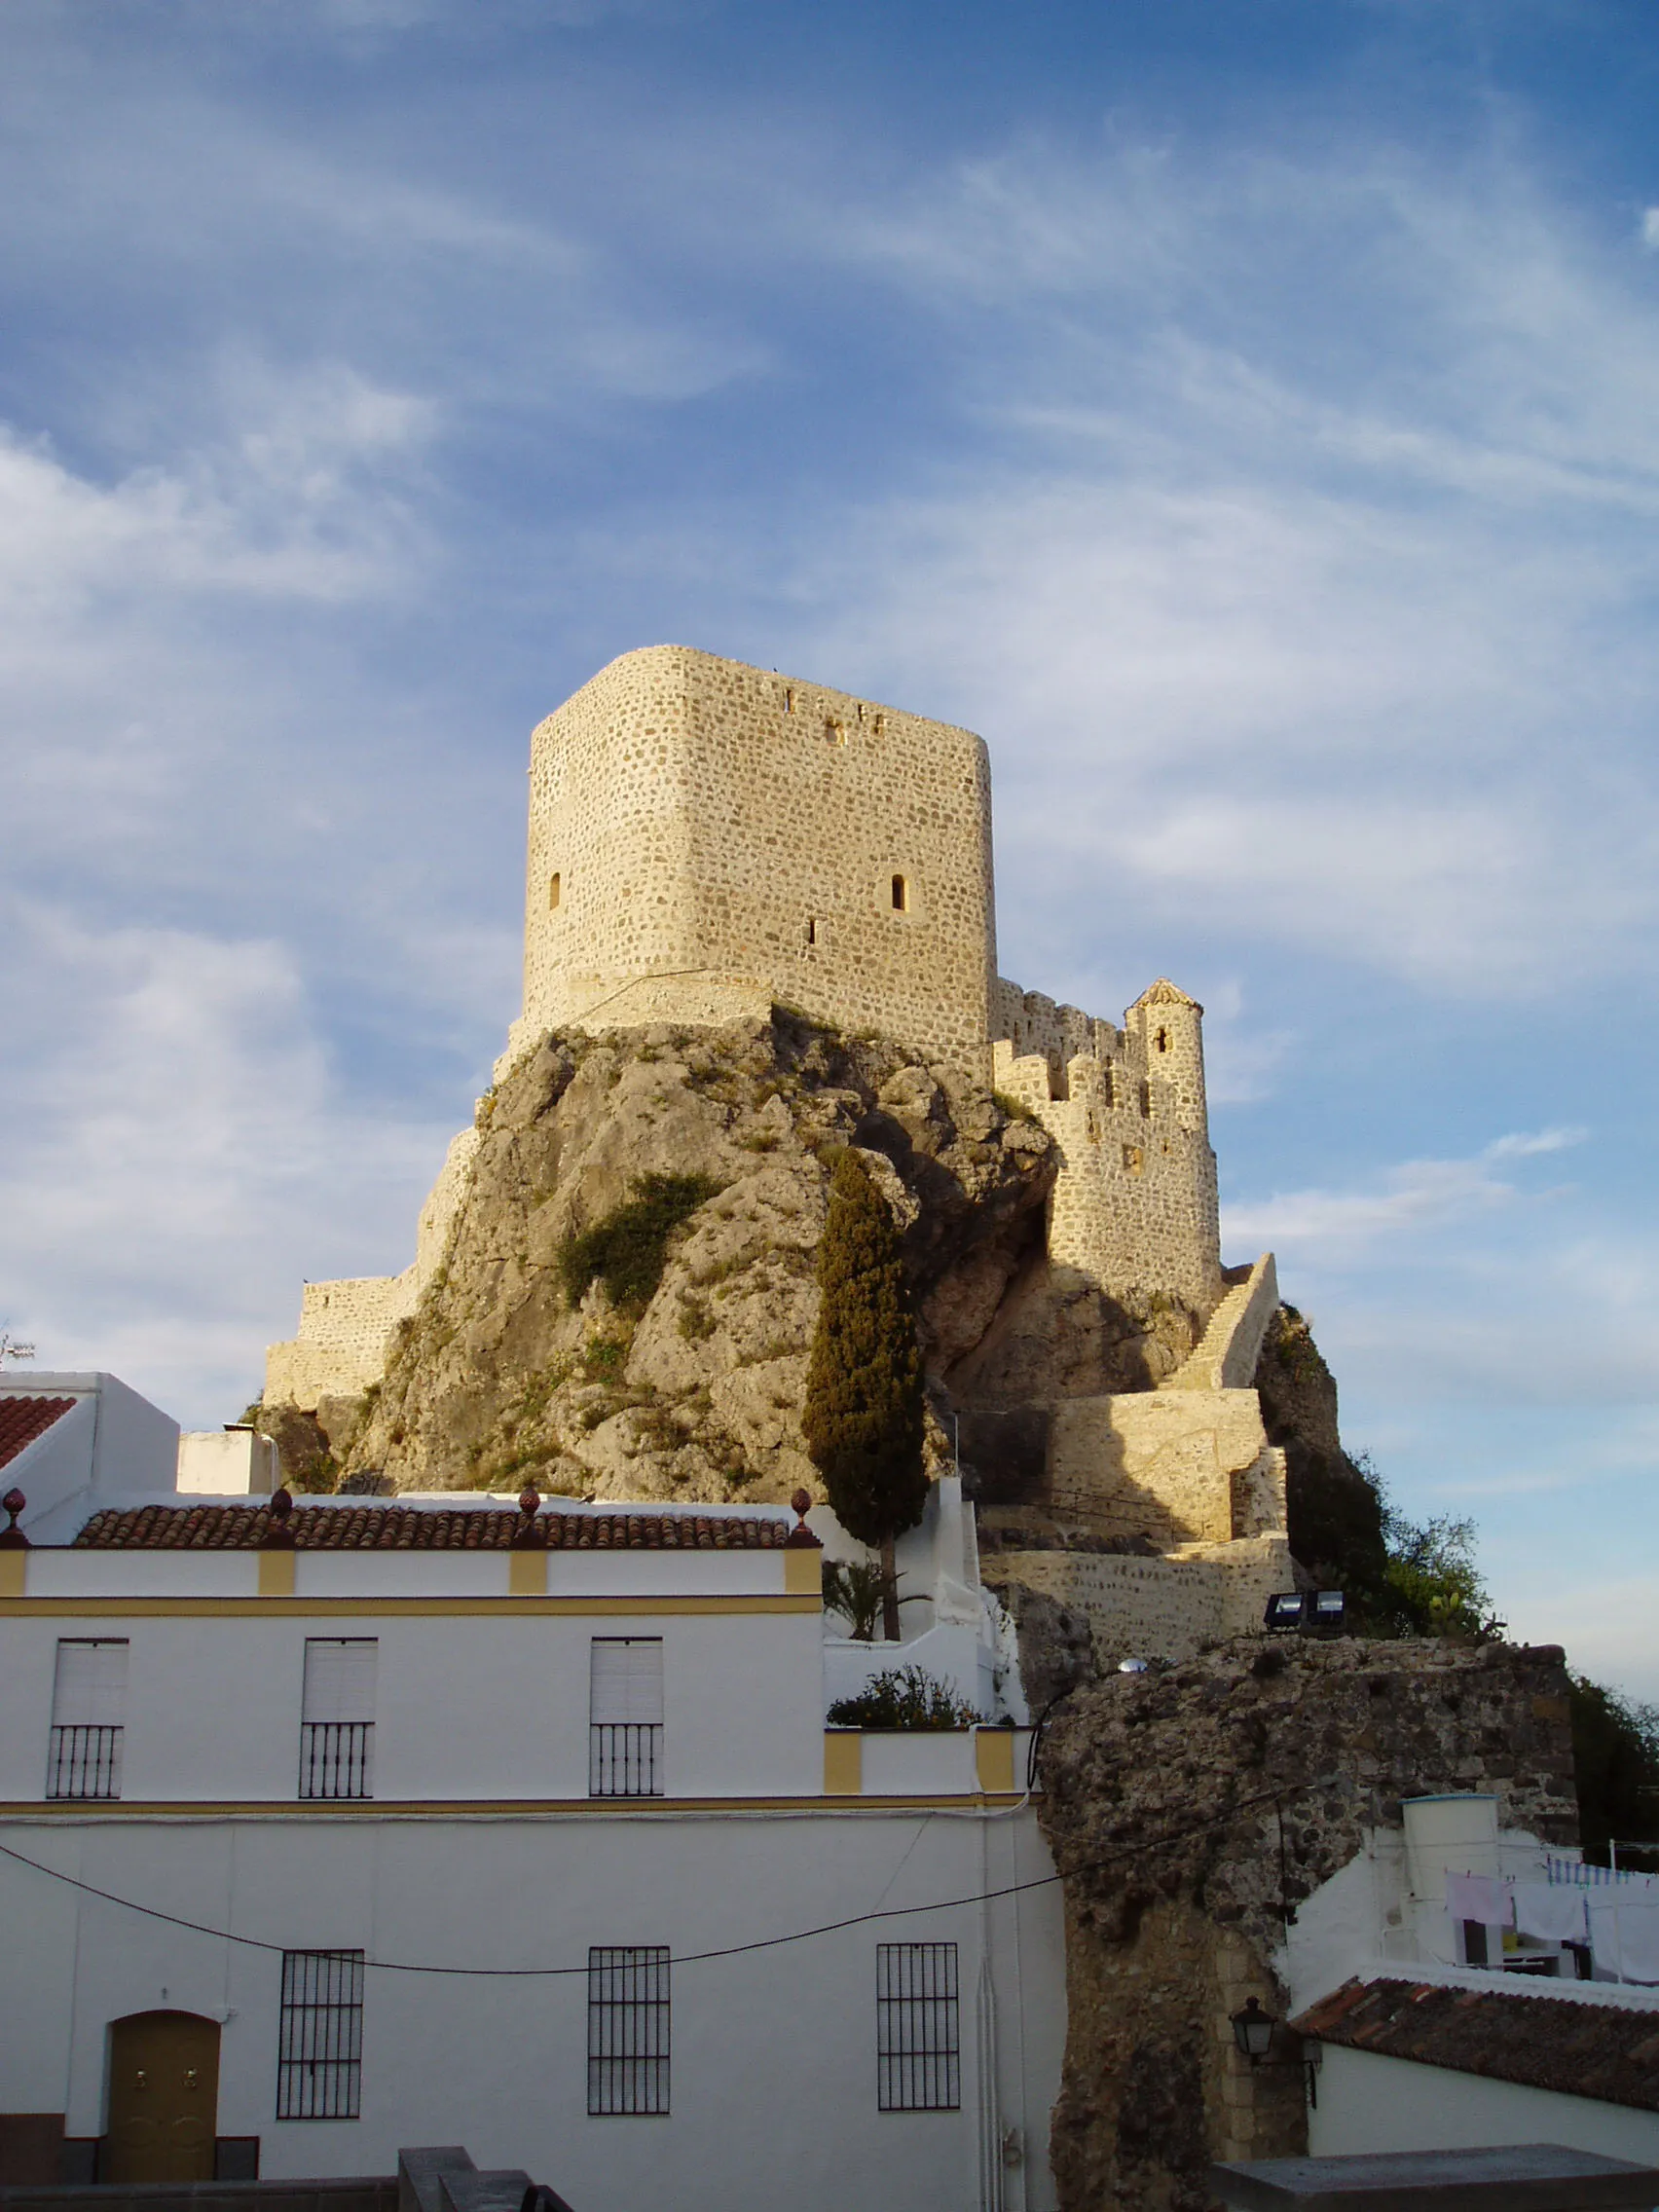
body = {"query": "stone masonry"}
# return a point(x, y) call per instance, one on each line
point(708, 840)
point(1195, 1810)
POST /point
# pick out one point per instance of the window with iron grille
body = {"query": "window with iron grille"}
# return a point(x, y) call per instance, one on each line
point(88, 1710)
point(337, 1718)
point(625, 1717)
point(319, 2050)
point(628, 2030)
point(917, 2029)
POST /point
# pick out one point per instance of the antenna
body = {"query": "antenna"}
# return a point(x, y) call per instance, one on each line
point(11, 1348)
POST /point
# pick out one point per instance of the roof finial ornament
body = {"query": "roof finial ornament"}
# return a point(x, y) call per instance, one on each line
point(801, 1536)
point(12, 1537)
point(528, 1531)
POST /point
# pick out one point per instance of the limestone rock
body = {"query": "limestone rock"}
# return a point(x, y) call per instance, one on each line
point(1199, 1806)
point(496, 1379)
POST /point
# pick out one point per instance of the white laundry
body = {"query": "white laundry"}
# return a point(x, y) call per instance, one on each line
point(1624, 1935)
point(1549, 1911)
point(1478, 1897)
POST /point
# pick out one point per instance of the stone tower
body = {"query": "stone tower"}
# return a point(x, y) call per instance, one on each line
point(707, 838)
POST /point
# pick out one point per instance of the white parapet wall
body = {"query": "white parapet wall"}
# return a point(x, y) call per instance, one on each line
point(228, 1462)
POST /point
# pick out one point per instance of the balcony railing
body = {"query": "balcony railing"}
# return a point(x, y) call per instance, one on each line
point(625, 1759)
point(84, 1762)
point(336, 1759)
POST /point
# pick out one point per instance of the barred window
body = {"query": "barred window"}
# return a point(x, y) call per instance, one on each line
point(88, 1710)
point(337, 1717)
point(628, 2030)
point(625, 1717)
point(319, 2051)
point(917, 2030)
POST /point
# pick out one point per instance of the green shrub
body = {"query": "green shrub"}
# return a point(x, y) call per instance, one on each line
point(905, 1697)
point(627, 1250)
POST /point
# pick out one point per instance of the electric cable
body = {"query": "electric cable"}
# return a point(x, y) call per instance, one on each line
point(1137, 1849)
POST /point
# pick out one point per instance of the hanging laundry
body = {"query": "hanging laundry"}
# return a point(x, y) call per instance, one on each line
point(1478, 1897)
point(1550, 1912)
point(1624, 1935)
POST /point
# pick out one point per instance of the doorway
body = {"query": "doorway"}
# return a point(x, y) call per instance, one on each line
point(164, 2097)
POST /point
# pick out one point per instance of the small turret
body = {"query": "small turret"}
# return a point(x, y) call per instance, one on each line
point(1170, 1026)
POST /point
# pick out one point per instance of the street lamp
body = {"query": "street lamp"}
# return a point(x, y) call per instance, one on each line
point(1253, 2030)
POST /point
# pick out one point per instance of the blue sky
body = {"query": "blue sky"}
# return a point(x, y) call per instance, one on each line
point(1245, 412)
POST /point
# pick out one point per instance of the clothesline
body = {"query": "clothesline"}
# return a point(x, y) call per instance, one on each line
point(1570, 1872)
point(1617, 1917)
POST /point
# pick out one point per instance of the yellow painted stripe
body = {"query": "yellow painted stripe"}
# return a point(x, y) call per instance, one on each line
point(471, 1808)
point(508, 1608)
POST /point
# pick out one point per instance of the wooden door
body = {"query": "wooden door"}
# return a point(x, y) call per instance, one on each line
point(164, 2097)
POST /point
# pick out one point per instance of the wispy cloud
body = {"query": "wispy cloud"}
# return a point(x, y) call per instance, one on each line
point(1417, 1195)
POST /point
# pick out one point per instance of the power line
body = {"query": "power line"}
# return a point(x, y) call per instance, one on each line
point(1137, 1849)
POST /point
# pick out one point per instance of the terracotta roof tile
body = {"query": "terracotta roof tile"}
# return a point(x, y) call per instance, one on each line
point(1605, 2051)
point(403, 1527)
point(22, 1420)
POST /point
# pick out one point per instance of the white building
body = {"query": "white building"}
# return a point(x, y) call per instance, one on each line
point(1436, 1989)
point(453, 1823)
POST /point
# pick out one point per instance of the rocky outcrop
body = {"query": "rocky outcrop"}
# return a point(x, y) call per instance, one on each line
point(1194, 1808)
point(498, 1378)
point(1333, 1508)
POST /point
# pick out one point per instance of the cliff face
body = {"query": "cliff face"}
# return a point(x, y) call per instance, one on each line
point(1199, 1807)
point(498, 1378)
point(1333, 1508)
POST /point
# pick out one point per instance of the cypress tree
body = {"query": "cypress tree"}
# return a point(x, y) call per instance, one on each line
point(863, 1415)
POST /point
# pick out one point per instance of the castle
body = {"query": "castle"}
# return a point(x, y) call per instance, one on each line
point(707, 840)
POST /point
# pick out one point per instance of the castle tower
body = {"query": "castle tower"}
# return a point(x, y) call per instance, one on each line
point(706, 838)
point(1171, 1026)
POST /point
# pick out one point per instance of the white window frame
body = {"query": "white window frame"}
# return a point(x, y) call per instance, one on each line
point(337, 1716)
point(629, 2031)
point(319, 2036)
point(918, 2027)
point(625, 1716)
point(89, 1717)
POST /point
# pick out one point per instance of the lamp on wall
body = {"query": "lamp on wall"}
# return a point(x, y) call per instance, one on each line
point(1253, 2030)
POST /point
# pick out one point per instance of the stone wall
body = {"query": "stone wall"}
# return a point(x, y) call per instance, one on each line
point(712, 826)
point(1140, 1608)
point(1134, 1206)
point(346, 1327)
point(1176, 1467)
point(1195, 1810)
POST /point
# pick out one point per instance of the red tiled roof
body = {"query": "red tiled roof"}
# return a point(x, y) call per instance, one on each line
point(22, 1420)
point(405, 1528)
point(1605, 2051)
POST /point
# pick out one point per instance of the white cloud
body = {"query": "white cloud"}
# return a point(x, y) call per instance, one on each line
point(1651, 229)
point(1415, 1196)
point(296, 506)
point(179, 1156)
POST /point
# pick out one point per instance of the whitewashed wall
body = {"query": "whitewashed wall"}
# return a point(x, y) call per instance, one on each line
point(1371, 2103)
point(475, 1706)
point(773, 2053)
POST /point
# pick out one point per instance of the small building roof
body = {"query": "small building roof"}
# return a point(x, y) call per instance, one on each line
point(23, 1419)
point(363, 1525)
point(1576, 2047)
